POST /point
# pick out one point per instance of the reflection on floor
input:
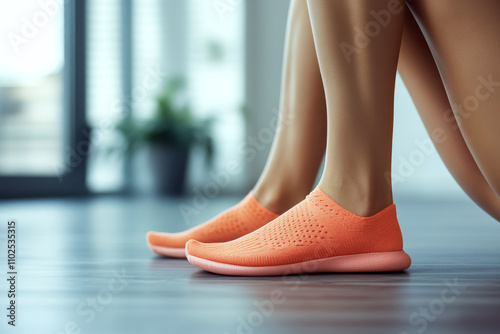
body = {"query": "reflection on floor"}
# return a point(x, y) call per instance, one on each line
point(83, 265)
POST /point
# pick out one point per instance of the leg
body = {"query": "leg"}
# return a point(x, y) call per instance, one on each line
point(299, 146)
point(295, 156)
point(462, 36)
point(421, 76)
point(348, 223)
point(359, 87)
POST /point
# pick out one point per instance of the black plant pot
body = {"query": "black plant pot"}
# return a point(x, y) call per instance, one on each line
point(169, 166)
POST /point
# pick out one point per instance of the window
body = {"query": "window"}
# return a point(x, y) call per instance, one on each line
point(105, 75)
point(32, 115)
point(43, 144)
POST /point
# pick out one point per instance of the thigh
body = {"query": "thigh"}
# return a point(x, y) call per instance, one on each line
point(421, 76)
point(463, 38)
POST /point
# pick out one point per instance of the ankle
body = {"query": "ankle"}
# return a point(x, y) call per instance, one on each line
point(278, 199)
point(362, 201)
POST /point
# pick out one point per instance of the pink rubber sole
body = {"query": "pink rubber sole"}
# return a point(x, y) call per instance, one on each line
point(167, 251)
point(357, 263)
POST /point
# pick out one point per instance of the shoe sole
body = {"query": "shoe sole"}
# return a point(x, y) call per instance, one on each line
point(356, 263)
point(167, 251)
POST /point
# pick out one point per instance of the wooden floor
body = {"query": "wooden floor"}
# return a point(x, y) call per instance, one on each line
point(83, 265)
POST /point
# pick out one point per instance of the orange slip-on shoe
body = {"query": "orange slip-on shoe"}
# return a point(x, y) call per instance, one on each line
point(243, 218)
point(316, 235)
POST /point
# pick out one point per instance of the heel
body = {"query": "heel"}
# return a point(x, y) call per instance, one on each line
point(367, 262)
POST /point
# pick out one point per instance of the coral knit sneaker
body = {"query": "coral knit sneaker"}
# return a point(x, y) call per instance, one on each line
point(316, 235)
point(241, 219)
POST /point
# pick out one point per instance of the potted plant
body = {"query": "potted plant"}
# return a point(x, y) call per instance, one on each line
point(170, 134)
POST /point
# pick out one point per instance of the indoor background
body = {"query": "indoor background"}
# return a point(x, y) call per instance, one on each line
point(89, 92)
point(228, 52)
